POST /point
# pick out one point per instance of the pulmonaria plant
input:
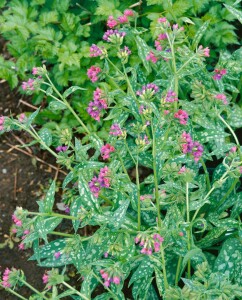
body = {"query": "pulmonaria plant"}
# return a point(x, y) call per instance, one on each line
point(159, 191)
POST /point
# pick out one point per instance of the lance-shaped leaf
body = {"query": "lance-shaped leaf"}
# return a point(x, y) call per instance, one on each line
point(143, 51)
point(46, 136)
point(119, 215)
point(71, 90)
point(199, 34)
point(49, 198)
point(87, 198)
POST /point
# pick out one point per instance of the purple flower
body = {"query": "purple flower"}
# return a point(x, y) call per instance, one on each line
point(182, 115)
point(115, 130)
point(171, 96)
point(61, 148)
point(95, 51)
point(113, 35)
point(148, 90)
point(95, 107)
point(103, 180)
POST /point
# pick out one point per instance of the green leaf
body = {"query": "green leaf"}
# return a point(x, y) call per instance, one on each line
point(119, 215)
point(74, 209)
point(71, 90)
point(44, 226)
point(143, 51)
point(199, 34)
point(67, 179)
point(50, 249)
point(229, 260)
point(46, 136)
point(50, 198)
point(32, 117)
point(88, 200)
point(235, 12)
point(145, 269)
point(56, 105)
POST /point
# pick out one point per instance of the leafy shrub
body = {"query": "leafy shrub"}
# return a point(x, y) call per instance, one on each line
point(172, 229)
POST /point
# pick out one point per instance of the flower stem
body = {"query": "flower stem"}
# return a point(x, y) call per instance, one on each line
point(155, 177)
point(61, 234)
point(32, 288)
point(178, 268)
point(122, 164)
point(188, 230)
point(206, 174)
point(164, 267)
point(75, 291)
point(138, 192)
point(228, 192)
point(108, 289)
point(14, 293)
point(53, 215)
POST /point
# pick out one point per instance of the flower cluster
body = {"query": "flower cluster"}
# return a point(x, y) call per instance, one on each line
point(204, 51)
point(109, 279)
point(148, 91)
point(171, 96)
point(124, 54)
point(160, 38)
point(182, 115)
point(149, 244)
point(92, 73)
point(28, 85)
point(114, 36)
point(106, 150)
point(221, 97)
point(16, 221)
point(22, 117)
point(151, 56)
point(96, 106)
point(103, 180)
point(111, 23)
point(219, 74)
point(190, 146)
point(95, 51)
point(116, 130)
point(2, 119)
point(6, 274)
point(61, 148)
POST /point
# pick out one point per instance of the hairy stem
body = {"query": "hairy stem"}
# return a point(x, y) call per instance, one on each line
point(75, 291)
point(32, 288)
point(206, 174)
point(53, 215)
point(138, 193)
point(188, 230)
point(178, 268)
point(164, 267)
point(13, 292)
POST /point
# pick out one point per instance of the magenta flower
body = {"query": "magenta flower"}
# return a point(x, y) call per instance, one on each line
point(16, 221)
point(182, 115)
point(182, 170)
point(190, 146)
point(171, 96)
point(222, 97)
point(35, 71)
point(92, 73)
point(2, 120)
point(111, 35)
point(106, 150)
point(95, 51)
point(205, 51)
point(21, 246)
point(6, 274)
point(123, 19)
point(219, 74)
point(95, 107)
point(128, 13)
point(102, 181)
point(28, 85)
point(148, 90)
point(116, 280)
point(61, 148)
point(115, 130)
point(57, 254)
point(151, 56)
point(111, 23)
point(45, 278)
point(162, 20)
point(22, 117)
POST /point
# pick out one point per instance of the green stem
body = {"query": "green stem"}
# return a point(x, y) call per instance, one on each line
point(206, 174)
point(122, 164)
point(14, 293)
point(228, 192)
point(234, 135)
point(75, 291)
point(127, 147)
point(62, 234)
point(115, 67)
point(188, 230)
point(53, 215)
point(164, 267)
point(171, 43)
point(33, 289)
point(186, 63)
point(138, 193)
point(108, 201)
point(178, 270)
point(155, 177)
point(67, 105)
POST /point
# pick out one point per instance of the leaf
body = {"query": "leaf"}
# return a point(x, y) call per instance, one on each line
point(32, 117)
point(96, 141)
point(67, 179)
point(56, 105)
point(235, 12)
point(46, 136)
point(229, 260)
point(159, 281)
point(211, 238)
point(50, 198)
point(71, 90)
point(143, 51)
point(199, 34)
point(74, 209)
point(145, 269)
point(187, 20)
point(50, 249)
point(44, 226)
point(119, 215)
point(88, 199)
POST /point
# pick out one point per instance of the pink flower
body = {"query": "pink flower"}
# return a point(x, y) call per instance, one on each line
point(156, 246)
point(116, 280)
point(136, 239)
point(128, 13)
point(92, 73)
point(181, 233)
point(2, 119)
point(123, 19)
point(175, 26)
point(233, 149)
point(115, 130)
point(106, 254)
point(113, 33)
point(182, 170)
point(95, 107)
point(107, 283)
point(222, 97)
point(106, 150)
point(35, 71)
point(190, 146)
point(162, 20)
point(14, 230)
point(111, 23)
point(57, 254)
point(182, 115)
point(22, 117)
point(151, 56)
point(171, 96)
point(21, 246)
point(28, 85)
point(148, 88)
point(219, 74)
point(95, 51)
point(45, 278)
point(204, 51)
point(166, 112)
point(103, 180)
point(61, 148)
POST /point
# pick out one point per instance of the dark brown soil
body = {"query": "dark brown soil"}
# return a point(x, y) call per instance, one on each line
point(21, 180)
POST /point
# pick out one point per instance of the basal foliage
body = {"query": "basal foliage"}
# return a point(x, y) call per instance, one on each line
point(164, 222)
